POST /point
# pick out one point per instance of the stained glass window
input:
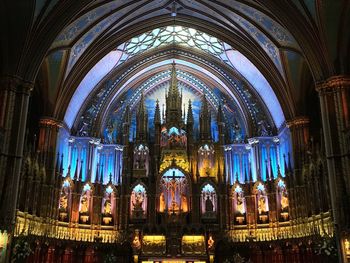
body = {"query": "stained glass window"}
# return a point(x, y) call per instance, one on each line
point(178, 35)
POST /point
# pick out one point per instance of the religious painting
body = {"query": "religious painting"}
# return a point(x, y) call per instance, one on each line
point(208, 201)
point(174, 192)
point(138, 202)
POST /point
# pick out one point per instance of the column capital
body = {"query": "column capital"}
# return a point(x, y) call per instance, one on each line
point(298, 121)
point(333, 83)
point(50, 122)
point(16, 83)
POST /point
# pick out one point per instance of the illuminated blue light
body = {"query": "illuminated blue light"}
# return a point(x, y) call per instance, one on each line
point(87, 187)
point(109, 190)
point(261, 187)
point(139, 188)
point(208, 188)
point(238, 189)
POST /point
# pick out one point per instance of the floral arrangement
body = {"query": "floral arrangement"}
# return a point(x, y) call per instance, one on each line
point(21, 250)
point(110, 258)
point(237, 258)
point(326, 246)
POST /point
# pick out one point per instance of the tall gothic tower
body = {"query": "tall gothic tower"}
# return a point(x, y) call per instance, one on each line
point(173, 102)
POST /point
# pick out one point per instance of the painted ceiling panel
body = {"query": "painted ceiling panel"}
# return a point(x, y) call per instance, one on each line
point(77, 27)
point(88, 84)
point(276, 30)
point(260, 84)
point(191, 88)
point(55, 63)
point(134, 13)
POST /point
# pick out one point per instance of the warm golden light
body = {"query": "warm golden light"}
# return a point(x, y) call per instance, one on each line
point(192, 239)
point(156, 239)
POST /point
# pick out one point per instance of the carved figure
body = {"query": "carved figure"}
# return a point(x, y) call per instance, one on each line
point(161, 202)
point(184, 205)
point(110, 134)
point(209, 205)
point(83, 131)
point(261, 205)
point(284, 201)
point(63, 202)
point(136, 242)
point(240, 205)
point(107, 208)
point(210, 242)
point(84, 205)
point(138, 202)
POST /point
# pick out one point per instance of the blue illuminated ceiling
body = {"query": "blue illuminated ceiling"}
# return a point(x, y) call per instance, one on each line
point(181, 36)
point(192, 89)
point(81, 33)
point(248, 87)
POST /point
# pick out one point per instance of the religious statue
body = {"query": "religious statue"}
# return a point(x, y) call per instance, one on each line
point(206, 167)
point(63, 202)
point(261, 205)
point(184, 205)
point(83, 131)
point(136, 244)
point(161, 202)
point(138, 201)
point(110, 133)
point(107, 207)
point(284, 201)
point(174, 204)
point(240, 205)
point(210, 242)
point(209, 205)
point(84, 205)
point(263, 128)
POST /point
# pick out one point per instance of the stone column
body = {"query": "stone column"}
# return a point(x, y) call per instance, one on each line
point(14, 99)
point(299, 130)
point(49, 129)
point(334, 97)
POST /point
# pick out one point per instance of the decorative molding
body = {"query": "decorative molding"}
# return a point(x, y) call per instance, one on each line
point(298, 121)
point(333, 83)
point(16, 83)
point(48, 121)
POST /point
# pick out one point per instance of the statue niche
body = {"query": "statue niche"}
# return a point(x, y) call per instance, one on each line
point(84, 205)
point(208, 202)
point(283, 200)
point(206, 160)
point(262, 203)
point(138, 202)
point(64, 200)
point(173, 197)
point(141, 161)
point(239, 205)
point(108, 206)
point(173, 138)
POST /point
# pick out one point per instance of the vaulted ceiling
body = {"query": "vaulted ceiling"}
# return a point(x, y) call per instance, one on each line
point(291, 43)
